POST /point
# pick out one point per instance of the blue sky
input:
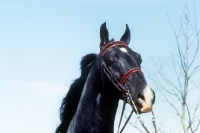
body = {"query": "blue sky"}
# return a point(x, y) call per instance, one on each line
point(42, 42)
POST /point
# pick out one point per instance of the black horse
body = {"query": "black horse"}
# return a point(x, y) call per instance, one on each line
point(91, 103)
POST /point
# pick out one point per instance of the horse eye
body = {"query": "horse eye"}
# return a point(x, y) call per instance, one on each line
point(111, 61)
point(139, 58)
point(140, 61)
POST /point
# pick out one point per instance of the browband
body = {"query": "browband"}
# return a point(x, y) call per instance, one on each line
point(111, 45)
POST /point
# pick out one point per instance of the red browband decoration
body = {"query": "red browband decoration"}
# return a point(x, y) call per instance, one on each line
point(111, 45)
point(127, 74)
point(119, 43)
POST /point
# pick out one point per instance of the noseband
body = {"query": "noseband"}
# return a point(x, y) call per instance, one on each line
point(120, 85)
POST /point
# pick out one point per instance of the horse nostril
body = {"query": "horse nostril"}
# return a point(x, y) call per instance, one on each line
point(140, 98)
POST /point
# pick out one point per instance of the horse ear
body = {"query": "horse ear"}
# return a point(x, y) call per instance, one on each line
point(103, 35)
point(127, 36)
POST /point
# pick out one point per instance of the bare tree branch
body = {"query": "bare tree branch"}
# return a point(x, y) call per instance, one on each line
point(190, 121)
point(197, 126)
point(134, 125)
point(185, 66)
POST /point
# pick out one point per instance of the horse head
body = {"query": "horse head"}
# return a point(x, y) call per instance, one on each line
point(123, 66)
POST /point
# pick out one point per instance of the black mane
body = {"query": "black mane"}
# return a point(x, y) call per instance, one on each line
point(70, 102)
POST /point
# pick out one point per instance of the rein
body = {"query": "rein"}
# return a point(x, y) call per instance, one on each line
point(120, 87)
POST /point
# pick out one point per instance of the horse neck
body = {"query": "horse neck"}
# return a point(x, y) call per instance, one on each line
point(96, 110)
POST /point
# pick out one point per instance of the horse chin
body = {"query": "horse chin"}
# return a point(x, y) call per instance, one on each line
point(146, 108)
point(142, 111)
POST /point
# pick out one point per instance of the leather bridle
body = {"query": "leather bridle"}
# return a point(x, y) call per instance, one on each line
point(120, 85)
point(111, 45)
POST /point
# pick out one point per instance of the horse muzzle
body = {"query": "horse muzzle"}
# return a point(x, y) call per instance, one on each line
point(145, 100)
